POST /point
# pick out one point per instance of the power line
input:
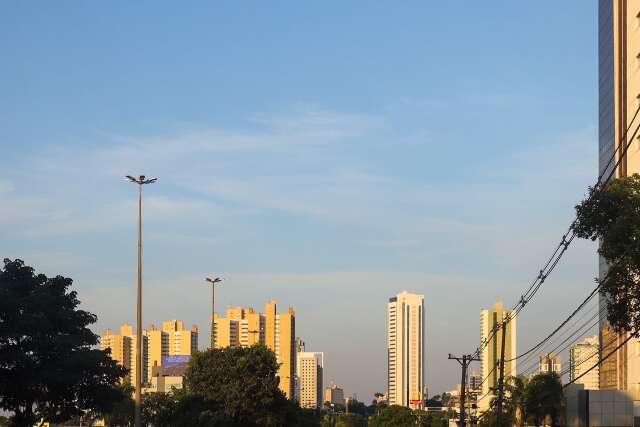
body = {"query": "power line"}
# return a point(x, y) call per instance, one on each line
point(577, 334)
point(567, 238)
point(599, 361)
point(555, 258)
point(548, 337)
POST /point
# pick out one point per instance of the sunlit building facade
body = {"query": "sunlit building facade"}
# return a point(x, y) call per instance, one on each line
point(405, 350)
point(490, 321)
point(172, 340)
point(309, 372)
point(583, 356)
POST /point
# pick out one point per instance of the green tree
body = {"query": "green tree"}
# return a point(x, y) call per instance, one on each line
point(357, 407)
point(121, 412)
point(394, 416)
point(240, 386)
point(159, 409)
point(611, 214)
point(308, 418)
point(48, 368)
point(447, 399)
point(350, 420)
point(544, 398)
point(515, 401)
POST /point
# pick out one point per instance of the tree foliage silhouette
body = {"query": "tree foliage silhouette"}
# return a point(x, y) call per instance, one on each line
point(611, 214)
point(48, 368)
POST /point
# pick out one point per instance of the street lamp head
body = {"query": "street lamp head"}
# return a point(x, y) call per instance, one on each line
point(213, 281)
point(141, 180)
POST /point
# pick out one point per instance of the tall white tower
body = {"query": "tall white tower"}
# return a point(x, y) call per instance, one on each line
point(405, 350)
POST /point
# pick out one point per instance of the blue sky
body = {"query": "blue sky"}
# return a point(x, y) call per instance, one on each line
point(327, 155)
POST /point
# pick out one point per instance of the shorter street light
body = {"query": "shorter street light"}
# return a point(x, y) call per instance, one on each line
point(213, 304)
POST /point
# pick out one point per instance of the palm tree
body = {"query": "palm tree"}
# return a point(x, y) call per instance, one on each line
point(516, 389)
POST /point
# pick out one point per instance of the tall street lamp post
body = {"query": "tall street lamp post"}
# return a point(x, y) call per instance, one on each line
point(141, 180)
point(213, 304)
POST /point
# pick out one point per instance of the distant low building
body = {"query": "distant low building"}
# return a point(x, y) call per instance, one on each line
point(550, 362)
point(334, 395)
point(169, 376)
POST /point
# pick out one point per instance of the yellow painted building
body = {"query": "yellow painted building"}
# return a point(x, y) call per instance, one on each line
point(226, 332)
point(158, 342)
point(490, 356)
point(120, 346)
point(123, 350)
point(286, 352)
point(246, 327)
point(172, 339)
point(182, 342)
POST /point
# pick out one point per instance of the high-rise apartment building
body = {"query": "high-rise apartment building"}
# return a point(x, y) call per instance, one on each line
point(181, 341)
point(246, 327)
point(582, 357)
point(120, 346)
point(491, 320)
point(172, 340)
point(405, 350)
point(123, 350)
point(550, 362)
point(619, 99)
point(309, 370)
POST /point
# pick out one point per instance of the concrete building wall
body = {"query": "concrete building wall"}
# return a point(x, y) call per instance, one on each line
point(598, 408)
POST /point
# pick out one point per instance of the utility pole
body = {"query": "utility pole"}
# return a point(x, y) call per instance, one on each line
point(464, 361)
point(138, 392)
point(501, 378)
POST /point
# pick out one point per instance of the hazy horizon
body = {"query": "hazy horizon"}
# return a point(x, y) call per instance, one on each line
point(327, 156)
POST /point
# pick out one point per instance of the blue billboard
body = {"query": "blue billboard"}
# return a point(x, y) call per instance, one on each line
point(174, 366)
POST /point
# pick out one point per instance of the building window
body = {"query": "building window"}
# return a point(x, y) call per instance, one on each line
point(637, 21)
point(637, 61)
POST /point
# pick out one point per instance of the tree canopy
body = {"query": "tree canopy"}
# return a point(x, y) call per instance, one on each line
point(241, 385)
point(393, 416)
point(48, 368)
point(350, 420)
point(611, 214)
point(529, 402)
